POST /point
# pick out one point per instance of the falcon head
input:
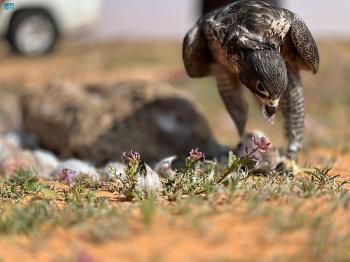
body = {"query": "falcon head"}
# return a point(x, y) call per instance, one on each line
point(264, 72)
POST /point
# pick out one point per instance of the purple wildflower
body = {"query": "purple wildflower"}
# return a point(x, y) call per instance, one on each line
point(195, 154)
point(262, 144)
point(130, 158)
point(67, 175)
point(255, 154)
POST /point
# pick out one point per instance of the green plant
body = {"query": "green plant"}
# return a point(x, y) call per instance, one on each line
point(22, 182)
point(26, 218)
point(134, 167)
point(148, 207)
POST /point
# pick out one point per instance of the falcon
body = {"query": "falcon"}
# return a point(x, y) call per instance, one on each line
point(259, 46)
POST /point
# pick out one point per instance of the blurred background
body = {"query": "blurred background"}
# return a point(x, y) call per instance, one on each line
point(107, 41)
point(171, 19)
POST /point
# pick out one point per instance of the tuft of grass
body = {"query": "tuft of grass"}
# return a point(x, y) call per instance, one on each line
point(21, 183)
point(110, 228)
point(148, 208)
point(79, 193)
point(26, 218)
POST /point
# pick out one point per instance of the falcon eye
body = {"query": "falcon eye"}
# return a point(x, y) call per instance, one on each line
point(261, 89)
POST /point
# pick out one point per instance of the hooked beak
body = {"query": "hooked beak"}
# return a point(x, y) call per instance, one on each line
point(269, 110)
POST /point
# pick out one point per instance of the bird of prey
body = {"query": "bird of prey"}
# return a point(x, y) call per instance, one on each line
point(262, 47)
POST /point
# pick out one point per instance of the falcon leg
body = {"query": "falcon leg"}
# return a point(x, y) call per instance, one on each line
point(232, 95)
point(293, 112)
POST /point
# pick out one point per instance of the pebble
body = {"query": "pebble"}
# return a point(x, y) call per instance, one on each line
point(164, 167)
point(47, 162)
point(82, 168)
point(46, 158)
point(12, 139)
point(148, 183)
point(16, 160)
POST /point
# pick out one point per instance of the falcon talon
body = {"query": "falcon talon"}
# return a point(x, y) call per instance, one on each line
point(262, 47)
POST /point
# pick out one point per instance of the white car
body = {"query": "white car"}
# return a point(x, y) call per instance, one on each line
point(33, 27)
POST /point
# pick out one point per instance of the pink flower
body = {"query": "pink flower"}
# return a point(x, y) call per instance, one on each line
point(195, 154)
point(262, 144)
point(131, 157)
point(67, 175)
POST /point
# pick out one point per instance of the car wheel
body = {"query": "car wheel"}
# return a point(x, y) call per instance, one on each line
point(32, 33)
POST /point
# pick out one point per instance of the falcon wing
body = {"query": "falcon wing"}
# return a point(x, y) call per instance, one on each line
point(196, 55)
point(247, 41)
point(305, 44)
point(243, 39)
